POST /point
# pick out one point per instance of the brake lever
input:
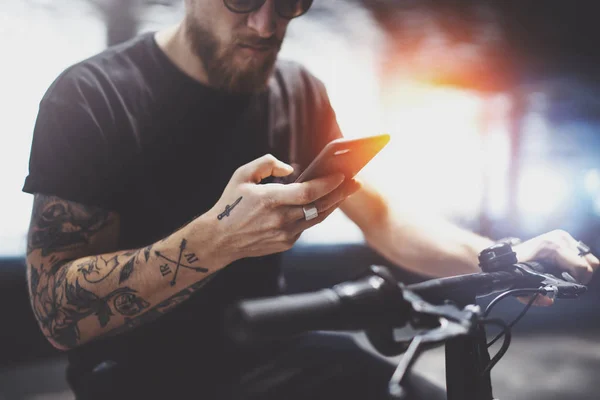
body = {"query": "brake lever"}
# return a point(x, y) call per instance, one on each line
point(449, 321)
point(422, 313)
point(427, 315)
point(395, 388)
point(565, 289)
point(439, 321)
point(501, 257)
point(447, 329)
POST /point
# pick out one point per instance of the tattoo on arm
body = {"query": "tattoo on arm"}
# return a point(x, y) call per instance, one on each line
point(228, 209)
point(59, 305)
point(59, 225)
point(147, 253)
point(64, 293)
point(60, 302)
point(129, 304)
point(97, 268)
point(161, 308)
point(191, 258)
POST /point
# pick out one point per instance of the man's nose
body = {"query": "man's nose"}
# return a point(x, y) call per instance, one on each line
point(264, 20)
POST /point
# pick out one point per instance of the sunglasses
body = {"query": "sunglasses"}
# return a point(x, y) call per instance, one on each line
point(287, 9)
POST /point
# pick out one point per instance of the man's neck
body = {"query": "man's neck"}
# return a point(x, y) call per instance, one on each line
point(173, 42)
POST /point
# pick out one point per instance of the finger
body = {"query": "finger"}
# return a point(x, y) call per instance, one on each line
point(592, 261)
point(573, 244)
point(296, 213)
point(540, 301)
point(300, 194)
point(572, 262)
point(576, 246)
point(300, 226)
point(264, 167)
point(347, 189)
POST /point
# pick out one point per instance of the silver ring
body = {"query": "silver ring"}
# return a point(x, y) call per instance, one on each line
point(310, 212)
point(583, 248)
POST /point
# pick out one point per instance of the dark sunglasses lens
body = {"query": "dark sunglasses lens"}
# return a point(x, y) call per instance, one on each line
point(292, 8)
point(243, 6)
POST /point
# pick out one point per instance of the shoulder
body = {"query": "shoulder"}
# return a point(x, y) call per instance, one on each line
point(295, 73)
point(98, 77)
point(297, 83)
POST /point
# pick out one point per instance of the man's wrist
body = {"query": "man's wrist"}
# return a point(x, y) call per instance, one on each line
point(512, 241)
point(204, 235)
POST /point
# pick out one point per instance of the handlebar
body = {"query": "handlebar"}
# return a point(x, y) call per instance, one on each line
point(523, 275)
point(346, 306)
point(377, 300)
point(378, 304)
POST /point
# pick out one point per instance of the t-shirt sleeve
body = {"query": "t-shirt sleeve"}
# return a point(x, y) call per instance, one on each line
point(329, 127)
point(324, 128)
point(69, 157)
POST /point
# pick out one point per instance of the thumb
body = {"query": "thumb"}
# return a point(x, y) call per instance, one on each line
point(264, 167)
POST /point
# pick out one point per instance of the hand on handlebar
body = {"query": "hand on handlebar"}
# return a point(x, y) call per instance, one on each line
point(259, 219)
point(561, 249)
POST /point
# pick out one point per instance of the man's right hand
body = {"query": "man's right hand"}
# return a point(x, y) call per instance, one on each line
point(255, 219)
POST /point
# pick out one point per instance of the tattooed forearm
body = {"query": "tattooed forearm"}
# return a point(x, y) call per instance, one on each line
point(161, 308)
point(67, 293)
point(59, 304)
point(81, 287)
point(58, 225)
point(228, 209)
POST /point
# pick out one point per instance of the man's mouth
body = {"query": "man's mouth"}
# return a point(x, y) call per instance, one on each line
point(257, 48)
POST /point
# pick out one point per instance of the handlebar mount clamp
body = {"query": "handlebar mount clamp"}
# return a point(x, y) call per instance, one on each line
point(498, 257)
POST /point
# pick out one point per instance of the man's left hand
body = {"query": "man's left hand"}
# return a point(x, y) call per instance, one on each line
point(561, 249)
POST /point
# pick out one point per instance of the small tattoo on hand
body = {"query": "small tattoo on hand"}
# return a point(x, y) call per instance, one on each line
point(228, 209)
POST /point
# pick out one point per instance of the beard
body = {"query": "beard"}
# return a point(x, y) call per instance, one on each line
point(248, 75)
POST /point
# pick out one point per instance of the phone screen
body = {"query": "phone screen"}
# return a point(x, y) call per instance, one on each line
point(347, 156)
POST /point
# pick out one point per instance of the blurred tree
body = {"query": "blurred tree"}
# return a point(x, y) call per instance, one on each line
point(454, 42)
point(123, 17)
point(526, 37)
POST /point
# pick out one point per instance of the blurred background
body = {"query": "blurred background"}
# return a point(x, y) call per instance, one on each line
point(494, 111)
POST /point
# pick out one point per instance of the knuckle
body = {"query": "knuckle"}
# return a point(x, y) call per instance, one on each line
point(286, 238)
point(292, 239)
point(306, 195)
point(278, 221)
point(246, 190)
point(322, 206)
point(291, 215)
point(561, 234)
point(245, 169)
point(269, 158)
point(267, 200)
point(549, 243)
point(239, 171)
point(580, 268)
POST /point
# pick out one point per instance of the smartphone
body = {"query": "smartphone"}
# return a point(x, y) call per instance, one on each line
point(347, 156)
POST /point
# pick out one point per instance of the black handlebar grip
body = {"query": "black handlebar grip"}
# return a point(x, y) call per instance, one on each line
point(347, 306)
point(282, 316)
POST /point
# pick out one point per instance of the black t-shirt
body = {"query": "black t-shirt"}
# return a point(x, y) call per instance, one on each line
point(128, 131)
